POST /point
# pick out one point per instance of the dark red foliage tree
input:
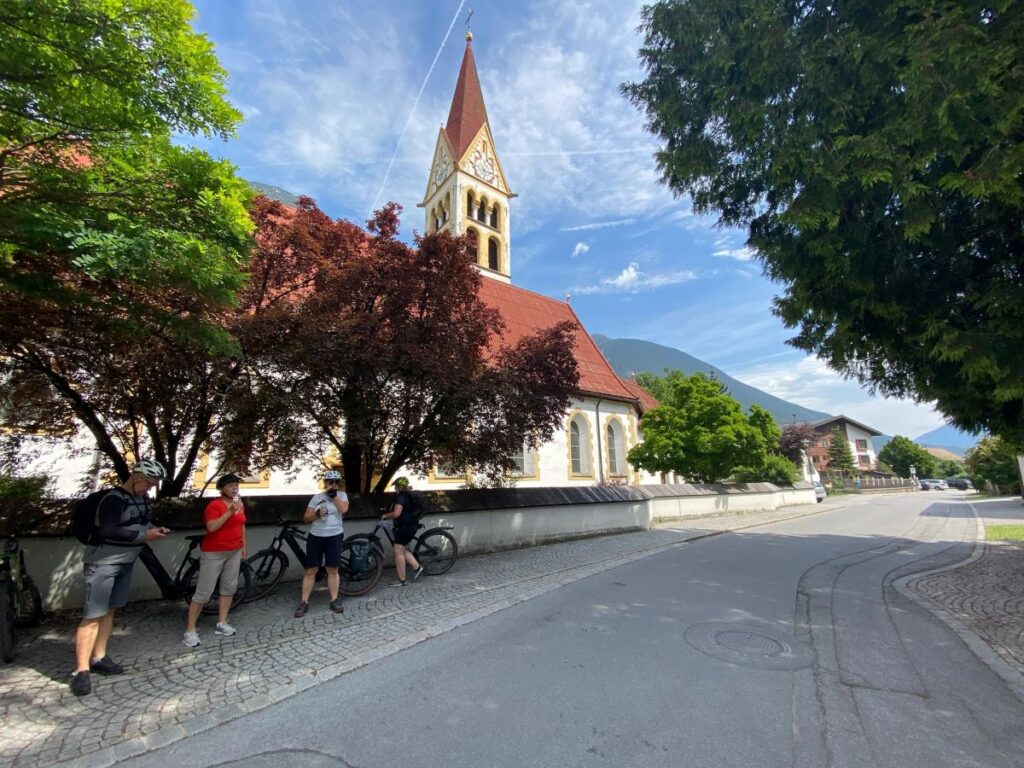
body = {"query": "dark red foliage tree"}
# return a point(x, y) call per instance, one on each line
point(394, 360)
point(794, 438)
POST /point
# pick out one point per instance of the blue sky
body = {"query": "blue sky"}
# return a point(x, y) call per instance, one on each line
point(343, 101)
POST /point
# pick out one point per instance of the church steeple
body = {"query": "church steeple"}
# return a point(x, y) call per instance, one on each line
point(467, 191)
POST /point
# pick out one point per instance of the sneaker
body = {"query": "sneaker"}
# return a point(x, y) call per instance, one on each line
point(399, 583)
point(416, 574)
point(81, 684)
point(301, 610)
point(224, 629)
point(106, 666)
point(192, 639)
point(337, 607)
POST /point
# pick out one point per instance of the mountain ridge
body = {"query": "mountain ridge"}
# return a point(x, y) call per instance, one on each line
point(632, 356)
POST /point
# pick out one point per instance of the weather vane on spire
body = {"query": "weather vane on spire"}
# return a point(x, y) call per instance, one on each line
point(469, 27)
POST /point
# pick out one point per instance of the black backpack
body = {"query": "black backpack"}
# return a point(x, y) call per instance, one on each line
point(85, 518)
point(411, 513)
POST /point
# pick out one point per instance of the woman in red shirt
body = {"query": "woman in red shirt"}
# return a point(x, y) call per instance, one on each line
point(223, 548)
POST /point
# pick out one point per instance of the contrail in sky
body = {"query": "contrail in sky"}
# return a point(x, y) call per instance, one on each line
point(413, 110)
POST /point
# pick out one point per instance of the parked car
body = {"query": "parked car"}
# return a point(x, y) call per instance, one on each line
point(933, 485)
point(961, 484)
point(819, 492)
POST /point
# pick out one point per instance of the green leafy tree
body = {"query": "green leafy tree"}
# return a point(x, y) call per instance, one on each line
point(699, 431)
point(774, 469)
point(840, 455)
point(901, 453)
point(872, 152)
point(994, 460)
point(948, 468)
point(92, 187)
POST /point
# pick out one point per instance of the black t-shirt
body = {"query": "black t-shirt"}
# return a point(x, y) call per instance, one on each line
point(409, 518)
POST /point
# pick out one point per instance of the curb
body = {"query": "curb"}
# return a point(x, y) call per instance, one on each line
point(1013, 678)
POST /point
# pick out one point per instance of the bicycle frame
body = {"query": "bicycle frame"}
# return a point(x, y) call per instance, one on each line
point(291, 535)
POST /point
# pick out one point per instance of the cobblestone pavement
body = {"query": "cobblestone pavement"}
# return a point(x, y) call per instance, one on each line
point(986, 594)
point(171, 691)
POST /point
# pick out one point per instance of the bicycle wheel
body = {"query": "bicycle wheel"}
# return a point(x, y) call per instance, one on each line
point(436, 551)
point(361, 581)
point(268, 567)
point(30, 603)
point(212, 606)
point(7, 620)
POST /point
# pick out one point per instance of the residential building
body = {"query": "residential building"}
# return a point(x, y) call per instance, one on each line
point(858, 435)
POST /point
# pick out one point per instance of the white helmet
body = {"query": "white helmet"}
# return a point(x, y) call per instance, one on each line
point(150, 468)
point(332, 474)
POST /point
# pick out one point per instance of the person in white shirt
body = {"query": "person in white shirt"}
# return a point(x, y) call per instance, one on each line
point(324, 513)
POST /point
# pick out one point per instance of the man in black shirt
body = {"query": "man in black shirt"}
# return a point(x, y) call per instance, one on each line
point(123, 522)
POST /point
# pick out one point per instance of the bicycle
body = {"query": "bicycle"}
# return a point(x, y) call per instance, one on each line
point(186, 578)
point(435, 548)
point(21, 604)
point(268, 565)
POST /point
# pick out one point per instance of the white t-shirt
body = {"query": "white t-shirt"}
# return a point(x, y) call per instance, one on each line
point(329, 524)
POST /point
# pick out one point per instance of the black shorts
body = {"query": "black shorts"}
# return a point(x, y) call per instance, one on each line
point(323, 550)
point(404, 535)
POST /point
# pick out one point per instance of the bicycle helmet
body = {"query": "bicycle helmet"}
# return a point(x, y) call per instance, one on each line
point(150, 468)
point(227, 479)
point(402, 482)
point(332, 474)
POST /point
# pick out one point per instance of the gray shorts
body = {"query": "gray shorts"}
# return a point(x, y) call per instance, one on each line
point(106, 587)
point(214, 566)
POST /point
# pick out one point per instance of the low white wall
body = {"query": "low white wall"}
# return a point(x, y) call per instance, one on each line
point(56, 563)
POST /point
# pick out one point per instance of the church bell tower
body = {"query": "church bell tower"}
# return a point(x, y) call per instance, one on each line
point(467, 192)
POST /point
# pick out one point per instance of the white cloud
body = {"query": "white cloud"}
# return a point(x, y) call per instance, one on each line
point(740, 254)
point(633, 280)
point(811, 383)
point(579, 249)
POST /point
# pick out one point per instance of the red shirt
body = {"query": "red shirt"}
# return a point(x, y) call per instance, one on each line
point(231, 535)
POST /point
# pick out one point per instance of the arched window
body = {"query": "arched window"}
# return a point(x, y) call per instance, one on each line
point(579, 447)
point(492, 254)
point(494, 217)
point(615, 438)
point(469, 204)
point(481, 212)
point(474, 238)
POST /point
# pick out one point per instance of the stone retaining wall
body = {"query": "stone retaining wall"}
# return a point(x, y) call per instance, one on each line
point(482, 521)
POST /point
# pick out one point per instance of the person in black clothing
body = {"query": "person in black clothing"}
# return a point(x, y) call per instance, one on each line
point(407, 521)
point(123, 517)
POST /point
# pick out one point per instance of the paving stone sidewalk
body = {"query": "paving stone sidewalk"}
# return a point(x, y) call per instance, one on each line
point(171, 691)
point(986, 594)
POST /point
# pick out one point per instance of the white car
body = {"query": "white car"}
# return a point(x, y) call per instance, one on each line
point(819, 492)
point(934, 485)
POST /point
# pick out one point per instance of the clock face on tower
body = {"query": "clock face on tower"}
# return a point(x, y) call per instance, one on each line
point(443, 169)
point(483, 165)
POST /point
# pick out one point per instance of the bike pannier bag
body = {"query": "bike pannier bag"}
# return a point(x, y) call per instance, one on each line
point(359, 562)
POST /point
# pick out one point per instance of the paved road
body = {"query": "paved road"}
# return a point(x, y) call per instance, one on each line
point(782, 645)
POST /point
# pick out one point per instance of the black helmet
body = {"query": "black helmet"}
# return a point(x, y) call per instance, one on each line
point(227, 480)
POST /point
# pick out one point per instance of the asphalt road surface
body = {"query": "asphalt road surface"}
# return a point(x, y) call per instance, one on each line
point(783, 645)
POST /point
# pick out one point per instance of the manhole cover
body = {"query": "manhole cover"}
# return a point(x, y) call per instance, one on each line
point(750, 646)
point(748, 643)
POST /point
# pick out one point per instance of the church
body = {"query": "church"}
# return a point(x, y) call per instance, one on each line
point(468, 193)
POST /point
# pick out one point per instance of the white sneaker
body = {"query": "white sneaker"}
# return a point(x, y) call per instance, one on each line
point(226, 630)
point(192, 639)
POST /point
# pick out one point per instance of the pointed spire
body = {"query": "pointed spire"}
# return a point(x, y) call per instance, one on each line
point(467, 112)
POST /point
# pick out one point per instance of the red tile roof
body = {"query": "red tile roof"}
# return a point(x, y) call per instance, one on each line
point(525, 312)
point(647, 400)
point(467, 112)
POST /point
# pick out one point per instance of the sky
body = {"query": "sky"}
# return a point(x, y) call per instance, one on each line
point(343, 102)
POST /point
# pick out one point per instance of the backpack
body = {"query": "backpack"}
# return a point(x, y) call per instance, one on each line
point(85, 518)
point(411, 513)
